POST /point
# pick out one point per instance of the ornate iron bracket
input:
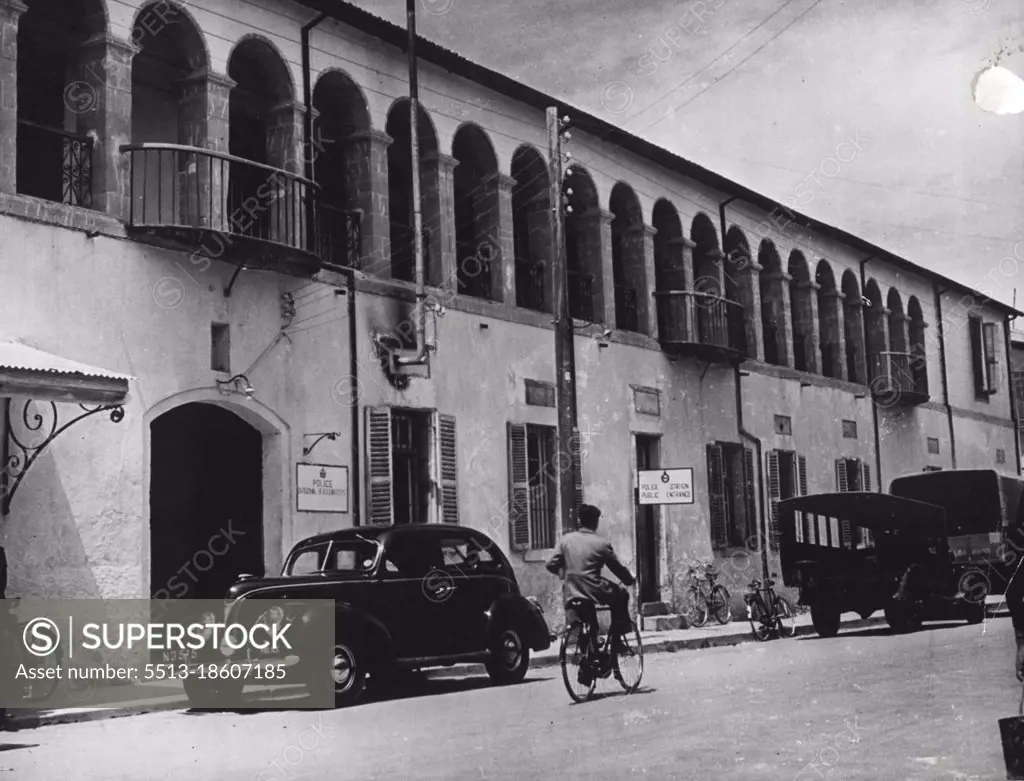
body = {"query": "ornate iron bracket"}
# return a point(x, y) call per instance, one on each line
point(15, 464)
point(331, 435)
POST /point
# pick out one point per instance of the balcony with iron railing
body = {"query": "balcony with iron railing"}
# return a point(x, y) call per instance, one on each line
point(54, 165)
point(581, 295)
point(627, 316)
point(530, 285)
point(222, 206)
point(701, 324)
point(341, 236)
point(898, 378)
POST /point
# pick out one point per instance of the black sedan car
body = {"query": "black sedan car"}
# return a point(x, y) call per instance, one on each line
point(405, 597)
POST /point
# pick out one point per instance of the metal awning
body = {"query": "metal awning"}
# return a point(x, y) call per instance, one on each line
point(26, 371)
point(39, 380)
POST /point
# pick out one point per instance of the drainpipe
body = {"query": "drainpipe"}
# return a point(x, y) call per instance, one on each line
point(353, 376)
point(417, 217)
point(945, 379)
point(874, 407)
point(762, 536)
point(1009, 386)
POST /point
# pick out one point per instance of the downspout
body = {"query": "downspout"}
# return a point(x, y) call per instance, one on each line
point(417, 216)
point(353, 362)
point(1009, 386)
point(945, 379)
point(762, 536)
point(874, 407)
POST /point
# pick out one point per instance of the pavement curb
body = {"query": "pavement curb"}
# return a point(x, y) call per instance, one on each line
point(33, 720)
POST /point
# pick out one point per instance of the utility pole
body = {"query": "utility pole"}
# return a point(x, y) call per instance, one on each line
point(567, 461)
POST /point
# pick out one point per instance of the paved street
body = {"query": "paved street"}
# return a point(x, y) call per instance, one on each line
point(864, 705)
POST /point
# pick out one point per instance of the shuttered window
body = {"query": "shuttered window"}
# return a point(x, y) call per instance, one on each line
point(787, 477)
point(774, 496)
point(985, 357)
point(379, 464)
point(532, 487)
point(716, 496)
point(569, 524)
point(750, 496)
point(448, 468)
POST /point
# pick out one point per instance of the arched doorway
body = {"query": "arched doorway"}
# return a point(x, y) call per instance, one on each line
point(206, 502)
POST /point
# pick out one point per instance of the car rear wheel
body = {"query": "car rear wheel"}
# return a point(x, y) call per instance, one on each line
point(510, 658)
point(825, 620)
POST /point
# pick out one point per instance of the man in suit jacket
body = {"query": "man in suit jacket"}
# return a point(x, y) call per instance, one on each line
point(578, 560)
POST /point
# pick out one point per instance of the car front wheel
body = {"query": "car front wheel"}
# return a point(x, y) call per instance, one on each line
point(348, 674)
point(510, 658)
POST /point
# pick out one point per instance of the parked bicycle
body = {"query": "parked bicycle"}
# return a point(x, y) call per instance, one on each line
point(706, 597)
point(585, 658)
point(767, 611)
point(12, 641)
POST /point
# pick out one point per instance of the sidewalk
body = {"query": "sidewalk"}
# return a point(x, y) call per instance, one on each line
point(159, 696)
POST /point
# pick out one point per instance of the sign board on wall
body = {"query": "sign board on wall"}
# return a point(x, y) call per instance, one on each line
point(666, 486)
point(321, 488)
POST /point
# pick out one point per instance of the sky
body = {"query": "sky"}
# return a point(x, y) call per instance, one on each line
point(766, 92)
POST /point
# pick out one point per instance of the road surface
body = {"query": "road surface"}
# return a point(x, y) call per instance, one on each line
point(865, 705)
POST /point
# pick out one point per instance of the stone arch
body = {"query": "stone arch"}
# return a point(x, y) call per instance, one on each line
point(628, 265)
point(583, 257)
point(774, 289)
point(276, 456)
point(476, 205)
point(854, 328)
point(741, 286)
point(876, 327)
point(400, 206)
point(918, 351)
point(832, 338)
point(803, 315)
point(531, 229)
point(898, 336)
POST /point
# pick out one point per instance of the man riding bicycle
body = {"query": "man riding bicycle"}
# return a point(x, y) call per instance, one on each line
point(578, 560)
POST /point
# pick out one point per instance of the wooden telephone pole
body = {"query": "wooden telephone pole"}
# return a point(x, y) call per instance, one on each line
point(567, 461)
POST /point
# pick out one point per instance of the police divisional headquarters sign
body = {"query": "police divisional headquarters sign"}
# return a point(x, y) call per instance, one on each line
point(321, 488)
point(665, 486)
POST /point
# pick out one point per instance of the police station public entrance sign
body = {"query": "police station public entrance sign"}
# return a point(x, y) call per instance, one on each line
point(665, 486)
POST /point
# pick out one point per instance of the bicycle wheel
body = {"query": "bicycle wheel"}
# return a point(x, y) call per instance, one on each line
point(756, 616)
point(574, 656)
point(696, 610)
point(785, 617)
point(720, 607)
point(628, 663)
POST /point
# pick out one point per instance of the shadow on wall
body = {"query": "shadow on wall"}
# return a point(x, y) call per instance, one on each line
point(45, 552)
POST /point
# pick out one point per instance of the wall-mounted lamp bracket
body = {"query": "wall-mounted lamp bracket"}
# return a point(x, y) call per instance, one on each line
point(331, 435)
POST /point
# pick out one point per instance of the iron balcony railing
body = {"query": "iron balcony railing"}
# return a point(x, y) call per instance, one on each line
point(687, 317)
point(899, 376)
point(626, 314)
point(530, 285)
point(403, 251)
point(174, 186)
point(474, 271)
point(54, 165)
point(581, 296)
point(341, 236)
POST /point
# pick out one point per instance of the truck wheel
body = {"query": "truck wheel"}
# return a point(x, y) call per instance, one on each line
point(201, 692)
point(903, 618)
point(975, 612)
point(825, 620)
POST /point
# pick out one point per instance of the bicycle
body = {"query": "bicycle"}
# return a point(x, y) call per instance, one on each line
point(767, 611)
point(707, 598)
point(585, 659)
point(12, 640)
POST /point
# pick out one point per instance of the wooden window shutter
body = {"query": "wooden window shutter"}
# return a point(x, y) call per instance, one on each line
point(449, 469)
point(378, 459)
point(991, 356)
point(750, 491)
point(978, 355)
point(716, 496)
point(801, 474)
point(865, 481)
point(843, 485)
point(774, 495)
point(518, 488)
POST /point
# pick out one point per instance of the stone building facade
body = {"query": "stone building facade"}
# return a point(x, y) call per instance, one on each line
point(164, 216)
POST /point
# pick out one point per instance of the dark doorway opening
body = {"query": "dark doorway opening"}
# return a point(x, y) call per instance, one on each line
point(410, 454)
point(206, 502)
point(647, 527)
